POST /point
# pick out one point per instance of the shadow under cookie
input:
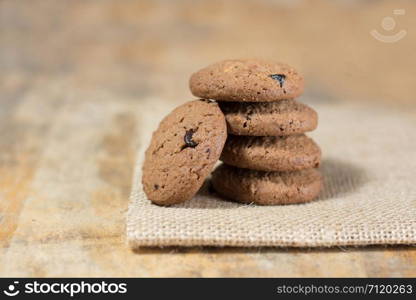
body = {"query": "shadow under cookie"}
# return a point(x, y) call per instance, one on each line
point(340, 178)
point(208, 198)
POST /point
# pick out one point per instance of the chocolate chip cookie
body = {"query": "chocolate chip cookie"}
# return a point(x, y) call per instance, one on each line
point(278, 118)
point(183, 151)
point(286, 153)
point(266, 188)
point(248, 80)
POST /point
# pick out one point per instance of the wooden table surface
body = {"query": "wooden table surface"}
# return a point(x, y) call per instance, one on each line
point(73, 77)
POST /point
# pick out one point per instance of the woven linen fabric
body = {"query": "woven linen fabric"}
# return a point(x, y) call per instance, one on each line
point(369, 194)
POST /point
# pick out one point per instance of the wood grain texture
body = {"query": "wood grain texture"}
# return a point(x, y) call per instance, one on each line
point(75, 76)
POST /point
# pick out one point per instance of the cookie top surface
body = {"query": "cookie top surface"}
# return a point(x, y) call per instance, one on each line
point(267, 188)
point(183, 151)
point(287, 153)
point(248, 80)
point(279, 118)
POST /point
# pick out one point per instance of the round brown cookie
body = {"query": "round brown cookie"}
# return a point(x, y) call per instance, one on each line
point(183, 151)
point(248, 80)
point(270, 153)
point(266, 188)
point(279, 118)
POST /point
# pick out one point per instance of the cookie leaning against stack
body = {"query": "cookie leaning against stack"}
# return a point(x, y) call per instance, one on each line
point(267, 157)
point(183, 151)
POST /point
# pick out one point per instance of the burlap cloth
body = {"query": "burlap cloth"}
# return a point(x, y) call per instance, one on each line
point(369, 195)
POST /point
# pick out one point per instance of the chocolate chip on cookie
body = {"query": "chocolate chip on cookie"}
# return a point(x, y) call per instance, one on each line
point(271, 153)
point(248, 80)
point(266, 188)
point(279, 118)
point(183, 151)
point(279, 77)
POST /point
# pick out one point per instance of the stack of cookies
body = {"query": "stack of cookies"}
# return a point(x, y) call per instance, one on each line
point(255, 127)
point(267, 158)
